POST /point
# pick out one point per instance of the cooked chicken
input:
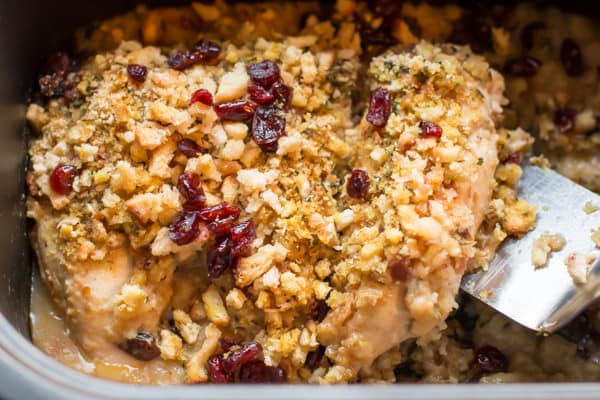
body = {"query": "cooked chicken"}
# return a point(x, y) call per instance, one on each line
point(431, 170)
point(164, 224)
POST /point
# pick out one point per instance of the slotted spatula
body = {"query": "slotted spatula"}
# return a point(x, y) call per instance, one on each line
point(544, 299)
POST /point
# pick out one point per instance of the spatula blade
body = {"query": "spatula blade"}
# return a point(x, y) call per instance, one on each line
point(546, 298)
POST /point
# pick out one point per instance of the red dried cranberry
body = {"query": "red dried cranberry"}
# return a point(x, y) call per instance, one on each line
point(523, 67)
point(226, 343)
point(61, 179)
point(56, 70)
point(241, 356)
point(571, 57)
point(137, 72)
point(241, 110)
point(242, 236)
point(282, 94)
point(203, 96)
point(313, 358)
point(189, 148)
point(581, 332)
point(60, 78)
point(264, 73)
point(222, 226)
point(564, 119)
point(219, 259)
point(399, 269)
point(474, 29)
point(185, 227)
point(267, 127)
point(208, 50)
point(257, 371)
point(182, 60)
point(380, 36)
point(490, 360)
point(577, 329)
point(512, 158)
point(385, 8)
point(142, 347)
point(58, 63)
point(204, 51)
point(260, 95)
point(320, 310)
point(528, 32)
point(190, 186)
point(358, 184)
point(429, 129)
point(215, 370)
point(380, 107)
point(218, 212)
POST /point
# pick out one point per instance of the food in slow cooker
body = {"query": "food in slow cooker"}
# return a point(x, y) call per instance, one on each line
point(286, 193)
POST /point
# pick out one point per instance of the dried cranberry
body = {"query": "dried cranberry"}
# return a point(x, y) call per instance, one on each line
point(260, 95)
point(313, 358)
point(142, 347)
point(182, 60)
point(190, 186)
point(577, 329)
point(203, 96)
point(61, 179)
point(512, 158)
point(204, 51)
point(380, 107)
point(268, 126)
point(207, 50)
point(385, 8)
point(242, 236)
point(185, 227)
point(523, 67)
point(227, 343)
point(58, 63)
point(581, 332)
point(564, 119)
point(56, 70)
point(60, 78)
point(382, 36)
point(571, 57)
point(137, 72)
point(218, 212)
point(358, 184)
point(241, 110)
point(220, 258)
point(399, 269)
point(282, 94)
point(215, 370)
point(264, 73)
point(189, 148)
point(241, 356)
point(490, 360)
point(428, 129)
point(257, 371)
point(223, 226)
point(528, 32)
point(474, 29)
point(320, 310)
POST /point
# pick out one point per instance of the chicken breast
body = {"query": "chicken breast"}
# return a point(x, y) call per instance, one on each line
point(184, 222)
point(431, 171)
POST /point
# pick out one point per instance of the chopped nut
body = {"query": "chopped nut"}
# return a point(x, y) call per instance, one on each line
point(543, 245)
point(214, 307)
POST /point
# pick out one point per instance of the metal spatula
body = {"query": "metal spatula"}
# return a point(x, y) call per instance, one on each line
point(546, 298)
